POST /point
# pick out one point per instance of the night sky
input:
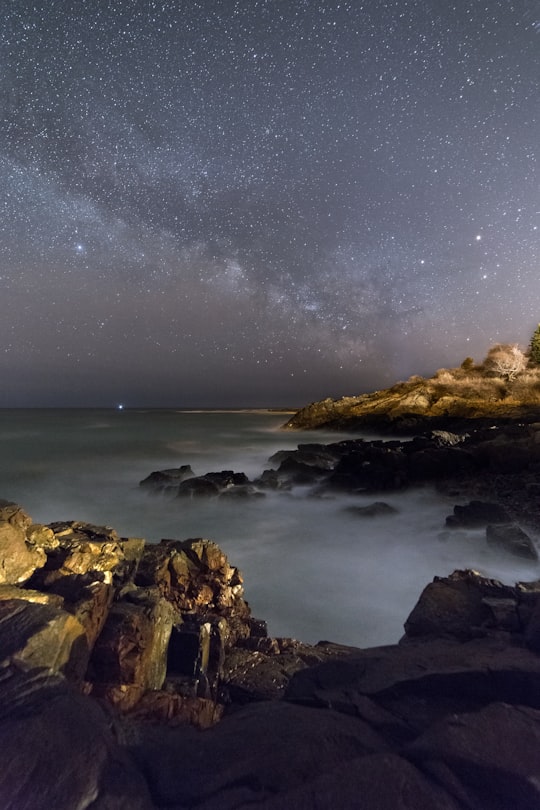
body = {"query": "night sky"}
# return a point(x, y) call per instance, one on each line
point(262, 202)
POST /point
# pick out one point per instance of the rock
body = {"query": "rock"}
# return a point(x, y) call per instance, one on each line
point(195, 576)
point(58, 749)
point(130, 655)
point(477, 513)
point(259, 754)
point(163, 708)
point(167, 480)
point(375, 509)
point(493, 754)
point(261, 668)
point(511, 538)
point(197, 488)
point(462, 606)
point(369, 469)
point(19, 557)
point(42, 636)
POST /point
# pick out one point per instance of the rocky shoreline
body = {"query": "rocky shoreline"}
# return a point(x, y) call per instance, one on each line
point(134, 676)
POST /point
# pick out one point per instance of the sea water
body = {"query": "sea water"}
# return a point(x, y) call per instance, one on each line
point(313, 569)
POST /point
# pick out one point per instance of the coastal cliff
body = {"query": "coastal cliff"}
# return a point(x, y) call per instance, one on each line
point(134, 676)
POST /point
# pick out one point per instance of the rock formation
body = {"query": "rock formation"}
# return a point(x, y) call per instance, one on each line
point(115, 654)
point(452, 397)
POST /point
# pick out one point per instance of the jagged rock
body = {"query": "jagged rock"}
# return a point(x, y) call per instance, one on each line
point(167, 480)
point(375, 509)
point(461, 605)
point(195, 575)
point(477, 513)
point(85, 549)
point(130, 655)
point(511, 538)
point(19, 557)
point(58, 750)
point(44, 636)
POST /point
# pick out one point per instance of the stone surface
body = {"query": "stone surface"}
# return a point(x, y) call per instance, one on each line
point(131, 650)
point(34, 635)
point(511, 538)
point(19, 558)
point(477, 513)
point(57, 750)
point(447, 719)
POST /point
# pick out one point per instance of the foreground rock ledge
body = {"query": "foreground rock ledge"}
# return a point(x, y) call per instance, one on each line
point(116, 654)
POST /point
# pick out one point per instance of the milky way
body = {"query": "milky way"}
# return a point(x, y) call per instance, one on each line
point(262, 202)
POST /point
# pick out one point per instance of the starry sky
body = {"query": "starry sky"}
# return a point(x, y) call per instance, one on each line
point(212, 203)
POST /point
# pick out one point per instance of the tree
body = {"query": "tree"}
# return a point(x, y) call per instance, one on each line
point(506, 360)
point(534, 347)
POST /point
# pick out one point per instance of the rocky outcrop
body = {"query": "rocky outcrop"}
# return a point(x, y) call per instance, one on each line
point(451, 398)
point(106, 710)
point(181, 482)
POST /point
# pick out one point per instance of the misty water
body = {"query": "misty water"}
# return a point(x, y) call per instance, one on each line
point(312, 569)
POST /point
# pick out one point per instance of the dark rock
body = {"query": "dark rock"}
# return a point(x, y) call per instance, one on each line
point(260, 754)
point(477, 513)
point(58, 749)
point(511, 538)
point(436, 462)
point(227, 478)
point(167, 480)
point(370, 469)
point(261, 668)
point(459, 606)
point(197, 488)
point(375, 509)
point(492, 755)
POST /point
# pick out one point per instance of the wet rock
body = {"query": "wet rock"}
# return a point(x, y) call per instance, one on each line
point(477, 513)
point(167, 480)
point(511, 538)
point(200, 487)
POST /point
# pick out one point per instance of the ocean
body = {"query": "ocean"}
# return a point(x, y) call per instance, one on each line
point(312, 569)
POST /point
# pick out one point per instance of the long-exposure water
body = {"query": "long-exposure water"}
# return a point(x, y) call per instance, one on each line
point(312, 569)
